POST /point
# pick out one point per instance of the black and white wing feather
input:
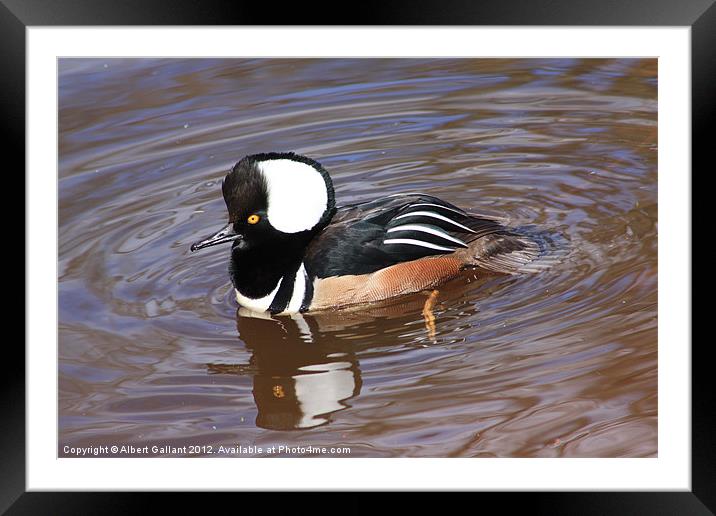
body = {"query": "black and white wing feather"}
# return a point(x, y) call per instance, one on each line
point(366, 237)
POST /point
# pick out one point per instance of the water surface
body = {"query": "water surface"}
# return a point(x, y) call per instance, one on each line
point(554, 364)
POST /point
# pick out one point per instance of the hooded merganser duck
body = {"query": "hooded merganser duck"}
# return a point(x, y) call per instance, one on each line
point(293, 251)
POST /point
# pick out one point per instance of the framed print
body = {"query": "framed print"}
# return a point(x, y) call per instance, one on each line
point(452, 255)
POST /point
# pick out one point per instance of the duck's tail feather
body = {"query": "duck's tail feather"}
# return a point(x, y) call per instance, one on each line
point(518, 251)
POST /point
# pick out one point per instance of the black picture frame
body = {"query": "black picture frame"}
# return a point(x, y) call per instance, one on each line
point(700, 15)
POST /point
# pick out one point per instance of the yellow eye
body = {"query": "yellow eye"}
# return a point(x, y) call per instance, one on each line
point(253, 219)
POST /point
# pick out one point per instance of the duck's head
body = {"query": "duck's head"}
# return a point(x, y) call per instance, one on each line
point(274, 199)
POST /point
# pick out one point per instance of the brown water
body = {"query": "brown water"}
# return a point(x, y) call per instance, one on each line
point(558, 363)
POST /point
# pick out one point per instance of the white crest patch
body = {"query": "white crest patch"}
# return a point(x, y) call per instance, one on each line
point(297, 194)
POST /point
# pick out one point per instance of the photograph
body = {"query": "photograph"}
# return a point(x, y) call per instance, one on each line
point(348, 257)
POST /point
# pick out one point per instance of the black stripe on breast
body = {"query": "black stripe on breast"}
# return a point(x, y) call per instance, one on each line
point(308, 294)
point(283, 296)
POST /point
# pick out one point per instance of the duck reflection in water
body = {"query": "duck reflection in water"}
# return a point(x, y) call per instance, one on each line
point(299, 380)
point(305, 367)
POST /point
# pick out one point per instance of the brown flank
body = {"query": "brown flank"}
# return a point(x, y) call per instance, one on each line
point(396, 280)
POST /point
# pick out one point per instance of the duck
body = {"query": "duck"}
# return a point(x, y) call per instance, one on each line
point(293, 251)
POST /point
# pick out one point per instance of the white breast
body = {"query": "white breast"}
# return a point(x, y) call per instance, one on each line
point(257, 305)
point(263, 304)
